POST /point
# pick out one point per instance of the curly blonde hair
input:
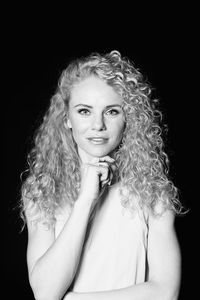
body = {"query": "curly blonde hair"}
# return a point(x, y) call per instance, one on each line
point(54, 166)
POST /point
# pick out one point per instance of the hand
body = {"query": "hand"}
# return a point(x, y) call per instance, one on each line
point(95, 175)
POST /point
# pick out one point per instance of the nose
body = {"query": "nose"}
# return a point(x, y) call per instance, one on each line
point(98, 123)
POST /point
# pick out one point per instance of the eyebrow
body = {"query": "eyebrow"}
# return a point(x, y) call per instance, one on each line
point(89, 106)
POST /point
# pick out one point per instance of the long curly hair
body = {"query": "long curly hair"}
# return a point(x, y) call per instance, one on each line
point(143, 166)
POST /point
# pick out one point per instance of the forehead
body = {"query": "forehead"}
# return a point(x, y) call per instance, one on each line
point(94, 91)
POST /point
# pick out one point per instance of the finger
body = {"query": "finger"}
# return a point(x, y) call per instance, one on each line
point(104, 173)
point(103, 183)
point(94, 160)
point(103, 164)
point(111, 161)
point(106, 158)
point(113, 167)
point(105, 170)
point(111, 170)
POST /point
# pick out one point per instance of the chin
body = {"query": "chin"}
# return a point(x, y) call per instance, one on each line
point(96, 151)
point(99, 153)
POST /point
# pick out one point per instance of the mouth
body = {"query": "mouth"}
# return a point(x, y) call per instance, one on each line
point(98, 141)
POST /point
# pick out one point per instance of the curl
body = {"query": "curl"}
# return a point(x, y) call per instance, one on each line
point(54, 167)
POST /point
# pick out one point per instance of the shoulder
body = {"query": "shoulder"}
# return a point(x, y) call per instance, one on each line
point(41, 233)
point(164, 218)
point(38, 219)
point(162, 234)
point(163, 253)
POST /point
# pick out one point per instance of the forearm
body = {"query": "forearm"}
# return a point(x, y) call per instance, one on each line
point(55, 270)
point(144, 291)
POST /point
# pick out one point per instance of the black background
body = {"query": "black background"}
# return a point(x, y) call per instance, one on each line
point(162, 44)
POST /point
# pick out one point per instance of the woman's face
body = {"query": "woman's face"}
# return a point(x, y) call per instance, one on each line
point(96, 118)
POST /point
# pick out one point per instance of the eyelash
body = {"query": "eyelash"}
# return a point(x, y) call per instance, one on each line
point(80, 111)
point(84, 111)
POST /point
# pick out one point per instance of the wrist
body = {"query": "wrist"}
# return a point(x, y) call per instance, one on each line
point(83, 203)
point(85, 199)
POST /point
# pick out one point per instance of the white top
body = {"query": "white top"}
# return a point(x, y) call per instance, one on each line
point(115, 251)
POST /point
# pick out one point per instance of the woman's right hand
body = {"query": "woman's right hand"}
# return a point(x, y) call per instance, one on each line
point(94, 175)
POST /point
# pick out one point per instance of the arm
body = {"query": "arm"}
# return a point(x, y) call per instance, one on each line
point(52, 263)
point(164, 267)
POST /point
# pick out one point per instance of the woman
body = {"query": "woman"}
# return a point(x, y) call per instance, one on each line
point(98, 202)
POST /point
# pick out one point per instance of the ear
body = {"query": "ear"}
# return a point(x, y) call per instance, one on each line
point(69, 124)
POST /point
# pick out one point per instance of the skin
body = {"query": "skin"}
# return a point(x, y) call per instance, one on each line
point(95, 109)
point(51, 277)
point(44, 247)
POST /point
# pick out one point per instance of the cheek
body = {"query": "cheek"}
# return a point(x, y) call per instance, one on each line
point(119, 129)
point(78, 127)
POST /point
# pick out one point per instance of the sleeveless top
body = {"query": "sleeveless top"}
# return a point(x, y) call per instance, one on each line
point(115, 250)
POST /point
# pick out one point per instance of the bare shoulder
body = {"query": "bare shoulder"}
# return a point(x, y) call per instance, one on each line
point(164, 256)
point(162, 221)
point(42, 231)
point(36, 219)
point(41, 234)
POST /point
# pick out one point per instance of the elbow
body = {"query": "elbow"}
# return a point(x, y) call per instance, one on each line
point(174, 295)
point(42, 291)
point(167, 296)
point(47, 288)
point(165, 291)
point(43, 295)
point(39, 297)
point(170, 294)
point(171, 297)
point(46, 285)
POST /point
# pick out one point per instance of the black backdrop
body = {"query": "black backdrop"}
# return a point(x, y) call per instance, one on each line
point(33, 61)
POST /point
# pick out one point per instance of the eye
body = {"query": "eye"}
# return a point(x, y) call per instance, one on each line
point(83, 111)
point(112, 112)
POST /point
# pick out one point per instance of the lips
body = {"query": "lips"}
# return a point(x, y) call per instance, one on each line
point(98, 140)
